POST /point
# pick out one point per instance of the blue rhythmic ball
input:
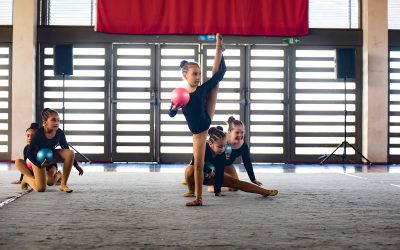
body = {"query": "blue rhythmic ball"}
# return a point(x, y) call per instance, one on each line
point(210, 165)
point(228, 149)
point(44, 154)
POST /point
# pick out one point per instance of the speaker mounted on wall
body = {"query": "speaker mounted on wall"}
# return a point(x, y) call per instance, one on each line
point(346, 63)
point(63, 59)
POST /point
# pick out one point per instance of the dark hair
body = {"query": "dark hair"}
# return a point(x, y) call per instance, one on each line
point(34, 126)
point(185, 65)
point(232, 122)
point(46, 113)
point(216, 133)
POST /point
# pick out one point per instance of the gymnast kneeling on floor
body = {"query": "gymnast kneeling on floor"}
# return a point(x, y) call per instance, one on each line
point(214, 169)
point(49, 136)
point(25, 166)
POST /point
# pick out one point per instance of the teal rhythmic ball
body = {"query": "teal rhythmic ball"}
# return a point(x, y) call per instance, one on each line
point(44, 154)
point(210, 165)
point(228, 149)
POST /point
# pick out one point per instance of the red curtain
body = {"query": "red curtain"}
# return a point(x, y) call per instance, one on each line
point(228, 17)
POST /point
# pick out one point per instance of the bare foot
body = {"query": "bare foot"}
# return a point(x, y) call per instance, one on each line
point(188, 194)
point(24, 185)
point(210, 189)
point(271, 192)
point(194, 203)
point(16, 182)
point(58, 177)
point(65, 189)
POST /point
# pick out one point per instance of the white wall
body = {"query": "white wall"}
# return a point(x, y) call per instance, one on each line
point(23, 72)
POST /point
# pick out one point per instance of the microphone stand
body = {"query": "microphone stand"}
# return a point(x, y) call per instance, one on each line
point(344, 143)
point(63, 125)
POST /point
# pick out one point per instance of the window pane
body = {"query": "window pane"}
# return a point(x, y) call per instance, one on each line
point(266, 93)
point(394, 104)
point(132, 115)
point(6, 12)
point(83, 96)
point(5, 70)
point(394, 14)
point(72, 12)
point(320, 104)
point(342, 14)
point(173, 131)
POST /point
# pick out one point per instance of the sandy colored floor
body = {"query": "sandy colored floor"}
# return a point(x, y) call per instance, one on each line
point(113, 210)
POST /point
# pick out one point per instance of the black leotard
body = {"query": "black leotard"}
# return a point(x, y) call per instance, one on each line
point(40, 141)
point(195, 111)
point(26, 152)
point(219, 163)
point(245, 153)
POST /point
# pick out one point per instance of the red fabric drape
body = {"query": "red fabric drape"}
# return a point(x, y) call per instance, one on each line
point(228, 17)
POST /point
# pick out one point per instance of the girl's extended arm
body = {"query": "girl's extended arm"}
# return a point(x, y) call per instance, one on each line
point(247, 162)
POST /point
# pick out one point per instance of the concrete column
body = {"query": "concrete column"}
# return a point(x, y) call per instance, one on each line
point(375, 80)
point(23, 72)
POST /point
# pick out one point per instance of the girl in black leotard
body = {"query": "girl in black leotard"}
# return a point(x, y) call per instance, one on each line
point(52, 175)
point(29, 132)
point(240, 148)
point(214, 169)
point(200, 110)
point(49, 136)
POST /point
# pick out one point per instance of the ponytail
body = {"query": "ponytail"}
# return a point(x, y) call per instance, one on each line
point(33, 126)
point(185, 65)
point(232, 123)
point(46, 113)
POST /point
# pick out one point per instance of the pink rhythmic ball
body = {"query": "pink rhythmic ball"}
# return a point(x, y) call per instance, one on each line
point(180, 97)
point(29, 164)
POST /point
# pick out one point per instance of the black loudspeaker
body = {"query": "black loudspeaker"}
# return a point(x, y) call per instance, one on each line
point(63, 59)
point(346, 63)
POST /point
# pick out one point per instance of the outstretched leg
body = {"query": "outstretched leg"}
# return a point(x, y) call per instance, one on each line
point(230, 170)
point(199, 148)
point(247, 187)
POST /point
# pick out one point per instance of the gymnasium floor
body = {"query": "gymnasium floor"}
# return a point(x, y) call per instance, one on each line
point(140, 206)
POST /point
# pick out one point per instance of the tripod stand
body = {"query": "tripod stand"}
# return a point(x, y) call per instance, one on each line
point(63, 113)
point(344, 143)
